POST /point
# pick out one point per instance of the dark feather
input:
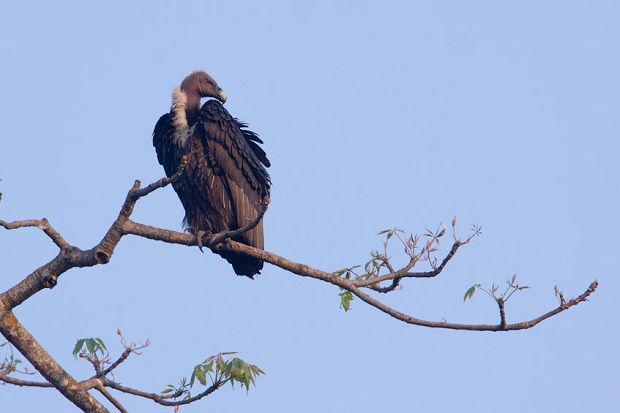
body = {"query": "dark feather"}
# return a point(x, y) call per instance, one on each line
point(224, 180)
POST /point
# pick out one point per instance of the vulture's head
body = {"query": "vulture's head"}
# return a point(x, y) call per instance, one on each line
point(201, 83)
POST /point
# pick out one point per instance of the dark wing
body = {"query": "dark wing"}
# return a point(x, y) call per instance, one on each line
point(238, 175)
point(235, 178)
point(162, 141)
point(252, 138)
point(170, 155)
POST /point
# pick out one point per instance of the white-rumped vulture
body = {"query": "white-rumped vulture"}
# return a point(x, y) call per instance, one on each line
point(224, 180)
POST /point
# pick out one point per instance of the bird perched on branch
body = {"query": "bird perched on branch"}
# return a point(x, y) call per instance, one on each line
point(224, 179)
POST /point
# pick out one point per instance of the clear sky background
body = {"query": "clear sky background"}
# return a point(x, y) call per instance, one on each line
point(374, 115)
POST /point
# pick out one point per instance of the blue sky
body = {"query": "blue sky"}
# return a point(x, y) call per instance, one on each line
point(374, 115)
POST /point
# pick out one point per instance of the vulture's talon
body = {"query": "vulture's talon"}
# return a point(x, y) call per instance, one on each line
point(199, 236)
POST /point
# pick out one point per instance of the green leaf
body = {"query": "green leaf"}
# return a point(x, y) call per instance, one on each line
point(256, 370)
point(347, 271)
point(345, 300)
point(192, 378)
point(201, 375)
point(78, 347)
point(219, 365)
point(208, 367)
point(90, 345)
point(166, 391)
point(101, 344)
point(470, 292)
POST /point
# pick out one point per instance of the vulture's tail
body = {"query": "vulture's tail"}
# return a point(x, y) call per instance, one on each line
point(242, 265)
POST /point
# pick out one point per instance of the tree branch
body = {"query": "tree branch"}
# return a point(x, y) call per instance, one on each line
point(121, 359)
point(19, 337)
point(43, 224)
point(305, 271)
point(123, 226)
point(4, 376)
point(157, 398)
point(111, 398)
point(69, 257)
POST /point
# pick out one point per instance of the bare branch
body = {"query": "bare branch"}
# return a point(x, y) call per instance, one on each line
point(4, 376)
point(43, 224)
point(140, 192)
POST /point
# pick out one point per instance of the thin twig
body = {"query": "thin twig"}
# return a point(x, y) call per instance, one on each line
point(43, 224)
point(121, 359)
point(404, 272)
point(4, 376)
point(157, 398)
point(502, 312)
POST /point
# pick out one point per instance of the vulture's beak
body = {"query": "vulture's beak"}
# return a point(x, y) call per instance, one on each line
point(221, 95)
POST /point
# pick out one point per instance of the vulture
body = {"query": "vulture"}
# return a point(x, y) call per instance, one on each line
point(224, 179)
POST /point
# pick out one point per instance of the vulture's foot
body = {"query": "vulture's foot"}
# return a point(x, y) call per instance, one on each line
point(199, 235)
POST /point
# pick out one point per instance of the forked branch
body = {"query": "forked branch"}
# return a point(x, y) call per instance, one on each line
point(70, 256)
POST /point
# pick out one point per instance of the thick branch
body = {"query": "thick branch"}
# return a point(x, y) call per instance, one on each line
point(19, 337)
point(46, 277)
point(71, 257)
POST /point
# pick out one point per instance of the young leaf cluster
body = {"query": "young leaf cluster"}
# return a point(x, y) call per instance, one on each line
point(492, 292)
point(345, 300)
point(216, 371)
point(380, 264)
point(346, 296)
point(10, 362)
point(92, 349)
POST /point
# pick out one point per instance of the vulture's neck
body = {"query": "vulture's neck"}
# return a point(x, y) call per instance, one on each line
point(185, 107)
